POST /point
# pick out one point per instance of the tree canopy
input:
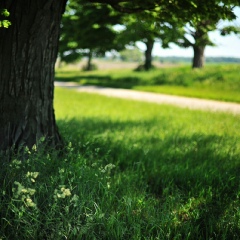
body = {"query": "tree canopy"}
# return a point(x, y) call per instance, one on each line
point(148, 27)
point(87, 29)
point(198, 27)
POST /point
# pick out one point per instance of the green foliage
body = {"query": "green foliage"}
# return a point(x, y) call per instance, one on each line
point(5, 13)
point(183, 9)
point(4, 23)
point(229, 29)
point(199, 26)
point(139, 27)
point(148, 22)
point(148, 28)
point(44, 197)
point(134, 171)
point(87, 28)
point(219, 82)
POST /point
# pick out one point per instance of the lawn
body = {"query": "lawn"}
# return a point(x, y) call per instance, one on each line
point(219, 82)
point(130, 170)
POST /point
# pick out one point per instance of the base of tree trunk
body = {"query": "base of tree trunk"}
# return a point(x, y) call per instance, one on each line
point(198, 58)
point(142, 67)
point(148, 55)
point(29, 49)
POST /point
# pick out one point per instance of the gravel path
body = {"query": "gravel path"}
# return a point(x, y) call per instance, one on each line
point(185, 102)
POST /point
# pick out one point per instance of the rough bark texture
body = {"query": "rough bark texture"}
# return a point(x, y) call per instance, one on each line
point(28, 51)
point(198, 58)
point(148, 55)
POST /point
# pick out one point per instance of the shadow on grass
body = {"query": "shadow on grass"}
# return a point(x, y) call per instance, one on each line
point(67, 79)
point(186, 160)
point(103, 81)
point(192, 167)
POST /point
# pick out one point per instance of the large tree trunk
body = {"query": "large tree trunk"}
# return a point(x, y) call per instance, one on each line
point(28, 51)
point(148, 55)
point(198, 57)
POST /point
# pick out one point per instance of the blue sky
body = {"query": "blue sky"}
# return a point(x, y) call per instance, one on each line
point(228, 46)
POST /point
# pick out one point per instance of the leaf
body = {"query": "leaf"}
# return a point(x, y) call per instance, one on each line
point(5, 13)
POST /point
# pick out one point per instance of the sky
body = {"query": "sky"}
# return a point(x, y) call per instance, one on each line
point(228, 46)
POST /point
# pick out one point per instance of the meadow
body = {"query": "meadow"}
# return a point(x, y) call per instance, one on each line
point(218, 82)
point(130, 170)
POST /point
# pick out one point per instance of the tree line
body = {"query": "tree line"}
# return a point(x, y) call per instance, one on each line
point(161, 25)
point(30, 45)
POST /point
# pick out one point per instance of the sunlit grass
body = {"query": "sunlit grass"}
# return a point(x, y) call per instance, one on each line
point(204, 92)
point(130, 170)
point(183, 165)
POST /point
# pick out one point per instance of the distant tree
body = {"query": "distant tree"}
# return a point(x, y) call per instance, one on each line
point(148, 28)
point(87, 30)
point(199, 26)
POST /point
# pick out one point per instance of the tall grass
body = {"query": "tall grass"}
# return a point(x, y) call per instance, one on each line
point(220, 82)
point(130, 170)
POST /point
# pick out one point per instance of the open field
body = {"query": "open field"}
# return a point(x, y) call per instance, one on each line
point(130, 170)
point(218, 82)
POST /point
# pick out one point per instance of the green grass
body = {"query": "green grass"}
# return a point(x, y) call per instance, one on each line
point(219, 82)
point(134, 170)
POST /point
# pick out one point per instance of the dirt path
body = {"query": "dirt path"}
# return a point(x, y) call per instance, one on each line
point(191, 103)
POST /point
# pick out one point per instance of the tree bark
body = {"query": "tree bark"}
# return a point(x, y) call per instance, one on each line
point(148, 55)
point(89, 61)
point(28, 51)
point(198, 57)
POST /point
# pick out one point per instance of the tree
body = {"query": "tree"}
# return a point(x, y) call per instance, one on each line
point(198, 28)
point(202, 16)
point(148, 27)
point(28, 54)
point(88, 31)
point(144, 29)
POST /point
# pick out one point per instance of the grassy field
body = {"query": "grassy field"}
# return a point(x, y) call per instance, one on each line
point(219, 82)
point(130, 170)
